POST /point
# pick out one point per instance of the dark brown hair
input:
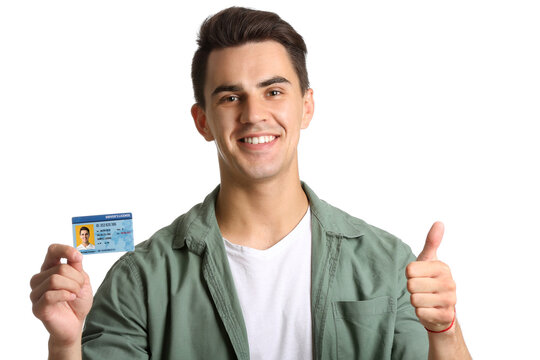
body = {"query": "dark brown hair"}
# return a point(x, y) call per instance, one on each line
point(236, 26)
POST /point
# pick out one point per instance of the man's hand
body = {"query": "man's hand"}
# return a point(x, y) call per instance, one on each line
point(433, 291)
point(62, 296)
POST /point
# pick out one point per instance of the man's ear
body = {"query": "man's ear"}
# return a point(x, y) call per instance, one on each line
point(199, 117)
point(309, 108)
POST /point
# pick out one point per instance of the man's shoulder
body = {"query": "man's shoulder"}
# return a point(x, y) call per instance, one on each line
point(359, 234)
point(338, 221)
point(194, 223)
point(351, 226)
point(153, 258)
point(164, 239)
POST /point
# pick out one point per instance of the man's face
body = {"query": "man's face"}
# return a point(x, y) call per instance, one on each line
point(85, 236)
point(254, 111)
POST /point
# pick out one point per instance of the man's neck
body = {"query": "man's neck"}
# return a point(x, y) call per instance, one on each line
point(261, 214)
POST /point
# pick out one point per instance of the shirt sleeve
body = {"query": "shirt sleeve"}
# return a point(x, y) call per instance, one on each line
point(410, 337)
point(116, 327)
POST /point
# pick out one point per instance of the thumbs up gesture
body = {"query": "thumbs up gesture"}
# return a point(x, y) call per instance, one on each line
point(432, 288)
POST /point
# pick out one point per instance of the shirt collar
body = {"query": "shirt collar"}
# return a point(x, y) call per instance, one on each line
point(198, 227)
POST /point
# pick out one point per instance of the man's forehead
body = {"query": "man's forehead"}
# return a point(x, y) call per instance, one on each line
point(252, 63)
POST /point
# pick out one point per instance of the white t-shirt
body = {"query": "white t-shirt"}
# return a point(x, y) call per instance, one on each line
point(274, 288)
point(89, 247)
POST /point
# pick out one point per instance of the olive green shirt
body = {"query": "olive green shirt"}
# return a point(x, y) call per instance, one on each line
point(174, 296)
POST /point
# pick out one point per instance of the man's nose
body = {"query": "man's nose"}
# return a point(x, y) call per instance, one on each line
point(254, 110)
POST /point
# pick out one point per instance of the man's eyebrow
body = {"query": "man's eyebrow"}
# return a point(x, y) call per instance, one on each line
point(223, 88)
point(262, 84)
point(272, 81)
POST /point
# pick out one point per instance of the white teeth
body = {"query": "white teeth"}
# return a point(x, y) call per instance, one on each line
point(259, 140)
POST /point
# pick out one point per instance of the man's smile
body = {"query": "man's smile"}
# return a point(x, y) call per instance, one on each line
point(258, 139)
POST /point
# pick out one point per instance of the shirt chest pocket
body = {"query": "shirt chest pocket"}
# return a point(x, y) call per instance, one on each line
point(365, 329)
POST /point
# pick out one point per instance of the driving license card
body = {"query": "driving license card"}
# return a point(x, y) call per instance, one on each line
point(103, 233)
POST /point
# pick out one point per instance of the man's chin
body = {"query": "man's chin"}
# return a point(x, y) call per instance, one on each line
point(264, 177)
point(257, 172)
point(261, 173)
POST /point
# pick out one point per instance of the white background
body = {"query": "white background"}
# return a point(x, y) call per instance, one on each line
point(425, 111)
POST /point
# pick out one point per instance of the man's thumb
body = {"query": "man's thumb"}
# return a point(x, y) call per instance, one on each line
point(433, 241)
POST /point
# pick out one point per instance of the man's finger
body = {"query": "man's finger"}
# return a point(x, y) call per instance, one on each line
point(55, 282)
point(59, 251)
point(424, 285)
point(423, 300)
point(61, 269)
point(433, 241)
point(50, 298)
point(424, 269)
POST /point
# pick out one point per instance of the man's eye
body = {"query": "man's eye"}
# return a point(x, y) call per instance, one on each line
point(230, 98)
point(274, 92)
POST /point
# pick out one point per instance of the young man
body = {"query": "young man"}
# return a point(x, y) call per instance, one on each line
point(263, 268)
point(84, 235)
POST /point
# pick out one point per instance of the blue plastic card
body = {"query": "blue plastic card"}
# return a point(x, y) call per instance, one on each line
point(103, 233)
